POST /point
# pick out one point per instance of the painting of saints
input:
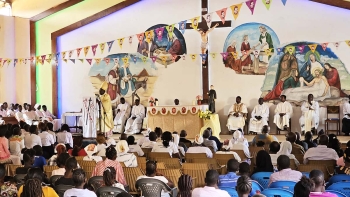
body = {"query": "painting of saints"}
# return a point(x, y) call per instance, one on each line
point(127, 85)
point(113, 82)
point(312, 64)
point(142, 47)
point(175, 47)
point(333, 79)
point(245, 49)
point(230, 61)
point(265, 40)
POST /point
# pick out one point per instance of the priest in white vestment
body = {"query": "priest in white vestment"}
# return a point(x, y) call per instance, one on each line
point(134, 123)
point(19, 114)
point(346, 119)
point(283, 113)
point(122, 114)
point(51, 118)
point(260, 116)
point(30, 116)
point(38, 112)
point(310, 114)
point(10, 112)
point(237, 115)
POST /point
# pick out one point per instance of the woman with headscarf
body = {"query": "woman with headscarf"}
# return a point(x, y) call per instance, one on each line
point(129, 159)
point(263, 162)
point(197, 147)
point(90, 150)
point(285, 149)
point(238, 142)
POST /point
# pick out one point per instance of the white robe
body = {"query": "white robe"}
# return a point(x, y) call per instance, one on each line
point(286, 108)
point(19, 116)
point(233, 122)
point(10, 113)
point(30, 116)
point(309, 118)
point(56, 122)
point(121, 117)
point(346, 110)
point(134, 126)
point(257, 125)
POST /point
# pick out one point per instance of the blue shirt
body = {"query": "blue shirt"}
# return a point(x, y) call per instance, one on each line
point(228, 180)
point(39, 162)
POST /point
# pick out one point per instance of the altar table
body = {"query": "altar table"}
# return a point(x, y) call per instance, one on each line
point(176, 118)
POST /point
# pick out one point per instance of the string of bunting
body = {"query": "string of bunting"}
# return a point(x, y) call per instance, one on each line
point(251, 4)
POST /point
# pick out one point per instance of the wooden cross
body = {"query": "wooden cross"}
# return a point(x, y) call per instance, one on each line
point(205, 66)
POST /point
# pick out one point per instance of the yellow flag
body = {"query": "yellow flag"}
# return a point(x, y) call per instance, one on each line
point(65, 60)
point(235, 10)
point(102, 47)
point(120, 42)
point(234, 54)
point(289, 49)
point(195, 22)
point(98, 60)
point(64, 54)
point(213, 55)
point(164, 59)
point(149, 35)
point(268, 51)
point(313, 47)
point(86, 50)
point(193, 56)
point(347, 42)
point(125, 59)
point(144, 59)
point(9, 61)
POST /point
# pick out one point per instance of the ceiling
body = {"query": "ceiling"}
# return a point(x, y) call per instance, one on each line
point(30, 8)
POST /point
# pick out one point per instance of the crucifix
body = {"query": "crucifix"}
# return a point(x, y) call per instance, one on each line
point(205, 29)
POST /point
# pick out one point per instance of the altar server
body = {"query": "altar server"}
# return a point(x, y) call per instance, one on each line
point(310, 114)
point(30, 116)
point(134, 123)
point(283, 112)
point(260, 116)
point(122, 114)
point(237, 115)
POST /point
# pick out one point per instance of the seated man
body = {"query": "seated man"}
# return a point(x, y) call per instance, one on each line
point(122, 114)
point(38, 112)
point(207, 142)
point(217, 141)
point(230, 179)
point(197, 147)
point(51, 118)
point(152, 141)
point(296, 148)
point(183, 139)
point(273, 149)
point(30, 116)
point(134, 148)
point(134, 123)
point(211, 180)
point(10, 111)
point(19, 114)
point(319, 188)
point(284, 172)
point(321, 152)
point(301, 143)
point(283, 112)
point(310, 114)
point(260, 116)
point(264, 137)
point(237, 115)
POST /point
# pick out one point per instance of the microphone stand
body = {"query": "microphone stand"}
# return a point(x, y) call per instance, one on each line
point(99, 110)
point(104, 113)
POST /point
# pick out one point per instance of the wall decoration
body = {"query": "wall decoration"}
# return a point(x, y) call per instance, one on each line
point(161, 43)
point(243, 41)
point(313, 70)
point(129, 79)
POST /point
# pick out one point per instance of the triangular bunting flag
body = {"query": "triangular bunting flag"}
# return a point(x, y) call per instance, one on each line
point(134, 59)
point(89, 61)
point(182, 26)
point(8, 62)
point(235, 10)
point(234, 54)
point(43, 57)
point(82, 60)
point(222, 14)
point(37, 59)
point(110, 44)
point(3, 62)
point(149, 36)
point(256, 53)
point(97, 60)
point(184, 57)
point(154, 58)
point(159, 33)
point(144, 59)
point(170, 30)
point(193, 56)
point(70, 53)
point(207, 18)
point(347, 42)
point(120, 42)
point(140, 37)
point(267, 3)
point(130, 39)
point(324, 46)
point(290, 49)
point(279, 50)
point(15, 62)
point(93, 48)
point(284, 2)
point(63, 54)
point(313, 47)
point(173, 58)
point(224, 55)
point(48, 60)
point(50, 56)
point(73, 60)
point(107, 60)
point(57, 56)
point(164, 59)
point(301, 48)
point(21, 60)
point(251, 5)
point(336, 44)
point(102, 47)
point(31, 60)
point(125, 59)
point(78, 51)
point(268, 52)
point(116, 61)
point(213, 55)
point(203, 56)
point(65, 60)
point(25, 61)
point(194, 22)
point(86, 50)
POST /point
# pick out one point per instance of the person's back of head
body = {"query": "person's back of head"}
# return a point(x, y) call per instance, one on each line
point(71, 164)
point(100, 138)
point(211, 178)
point(28, 157)
point(65, 127)
point(152, 136)
point(183, 133)
point(274, 147)
point(265, 129)
point(263, 162)
point(49, 126)
point(308, 136)
point(206, 134)
point(75, 151)
point(111, 153)
point(3, 130)
point(33, 129)
point(151, 168)
point(22, 124)
point(244, 168)
point(35, 173)
point(291, 137)
point(303, 187)
point(317, 177)
point(166, 137)
point(26, 127)
point(232, 165)
point(244, 185)
point(298, 135)
point(123, 136)
point(131, 140)
point(158, 131)
point(42, 126)
point(323, 140)
point(185, 185)
point(38, 150)
point(62, 159)
point(283, 162)
point(109, 176)
point(32, 188)
point(16, 131)
point(79, 177)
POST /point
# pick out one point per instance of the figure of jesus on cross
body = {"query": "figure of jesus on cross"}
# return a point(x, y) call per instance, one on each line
point(204, 36)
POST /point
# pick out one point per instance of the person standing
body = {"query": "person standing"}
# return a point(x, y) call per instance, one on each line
point(212, 97)
point(260, 116)
point(310, 118)
point(283, 112)
point(122, 113)
point(237, 115)
point(106, 110)
point(346, 119)
point(245, 49)
point(134, 123)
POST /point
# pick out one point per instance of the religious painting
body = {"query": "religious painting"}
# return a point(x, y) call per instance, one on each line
point(249, 48)
point(304, 68)
point(129, 75)
point(163, 44)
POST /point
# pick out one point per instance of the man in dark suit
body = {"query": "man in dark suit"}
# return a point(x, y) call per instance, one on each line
point(183, 139)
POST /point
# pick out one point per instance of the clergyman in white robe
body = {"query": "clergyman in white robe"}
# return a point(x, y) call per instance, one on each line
point(260, 116)
point(310, 115)
point(285, 108)
point(134, 123)
point(236, 122)
point(30, 116)
point(122, 114)
point(346, 119)
point(51, 118)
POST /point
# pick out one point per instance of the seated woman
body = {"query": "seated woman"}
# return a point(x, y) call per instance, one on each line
point(64, 136)
point(285, 149)
point(59, 149)
point(61, 163)
point(90, 150)
point(39, 160)
point(4, 148)
point(47, 140)
point(129, 159)
point(244, 186)
point(151, 173)
point(303, 188)
point(109, 178)
point(66, 179)
point(33, 185)
point(239, 143)
point(28, 159)
point(7, 189)
point(77, 151)
point(16, 143)
point(263, 162)
point(197, 147)
point(185, 185)
point(101, 144)
point(166, 146)
point(134, 148)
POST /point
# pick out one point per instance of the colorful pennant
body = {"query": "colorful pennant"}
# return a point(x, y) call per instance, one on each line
point(207, 18)
point(267, 3)
point(313, 47)
point(195, 22)
point(235, 10)
point(251, 5)
point(222, 14)
point(120, 42)
point(102, 47)
point(224, 55)
point(182, 26)
point(86, 50)
point(93, 48)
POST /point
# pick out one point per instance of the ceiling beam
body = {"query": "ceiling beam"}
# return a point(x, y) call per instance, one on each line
point(336, 3)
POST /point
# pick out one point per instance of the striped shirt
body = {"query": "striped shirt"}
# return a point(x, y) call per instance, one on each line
point(101, 166)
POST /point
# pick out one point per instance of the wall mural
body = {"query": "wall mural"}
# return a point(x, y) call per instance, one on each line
point(302, 68)
point(160, 42)
point(130, 79)
point(249, 48)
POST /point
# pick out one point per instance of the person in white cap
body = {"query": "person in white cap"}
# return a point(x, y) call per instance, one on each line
point(134, 123)
point(198, 147)
point(238, 142)
point(129, 159)
point(122, 114)
point(30, 116)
